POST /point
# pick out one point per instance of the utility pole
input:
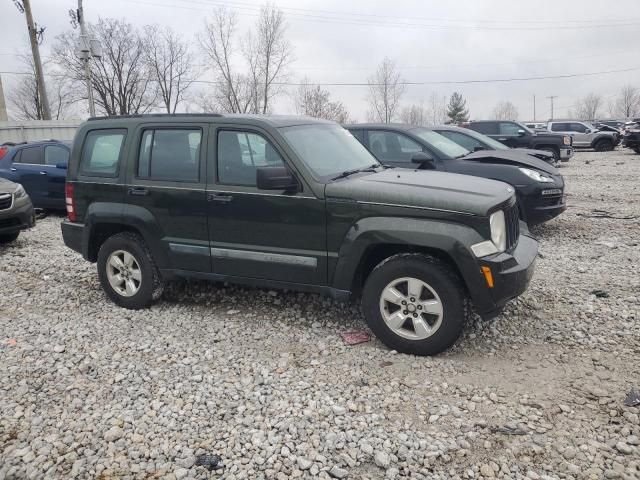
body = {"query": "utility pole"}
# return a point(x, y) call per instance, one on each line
point(33, 38)
point(3, 105)
point(85, 52)
point(551, 98)
point(534, 107)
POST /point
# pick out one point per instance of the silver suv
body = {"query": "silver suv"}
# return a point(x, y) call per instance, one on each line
point(585, 135)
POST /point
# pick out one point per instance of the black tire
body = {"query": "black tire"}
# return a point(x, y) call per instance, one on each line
point(9, 237)
point(603, 146)
point(637, 150)
point(150, 287)
point(440, 277)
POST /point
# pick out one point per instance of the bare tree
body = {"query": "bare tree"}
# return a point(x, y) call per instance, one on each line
point(265, 57)
point(505, 110)
point(25, 101)
point(170, 63)
point(627, 104)
point(121, 78)
point(437, 109)
point(385, 90)
point(314, 101)
point(415, 114)
point(588, 107)
point(274, 52)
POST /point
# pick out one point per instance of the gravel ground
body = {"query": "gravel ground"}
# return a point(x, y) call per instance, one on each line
point(263, 379)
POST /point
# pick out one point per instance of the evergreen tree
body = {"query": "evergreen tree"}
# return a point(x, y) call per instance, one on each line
point(457, 110)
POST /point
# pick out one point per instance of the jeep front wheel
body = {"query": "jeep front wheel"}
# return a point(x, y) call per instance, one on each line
point(415, 304)
point(127, 271)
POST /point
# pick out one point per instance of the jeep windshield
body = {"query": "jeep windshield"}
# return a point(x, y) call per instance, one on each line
point(329, 151)
point(447, 148)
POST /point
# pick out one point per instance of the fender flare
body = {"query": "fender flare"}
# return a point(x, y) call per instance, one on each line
point(448, 238)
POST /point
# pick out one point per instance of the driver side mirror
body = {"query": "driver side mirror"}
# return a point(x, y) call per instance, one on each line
point(521, 133)
point(276, 178)
point(478, 148)
point(424, 160)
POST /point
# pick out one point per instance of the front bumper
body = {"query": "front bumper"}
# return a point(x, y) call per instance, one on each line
point(566, 153)
point(540, 202)
point(511, 273)
point(19, 217)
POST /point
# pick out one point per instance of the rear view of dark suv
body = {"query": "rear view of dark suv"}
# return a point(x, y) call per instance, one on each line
point(295, 203)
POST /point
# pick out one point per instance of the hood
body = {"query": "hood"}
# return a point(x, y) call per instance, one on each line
point(7, 186)
point(424, 188)
point(516, 157)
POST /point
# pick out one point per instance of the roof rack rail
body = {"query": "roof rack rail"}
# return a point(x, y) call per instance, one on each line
point(12, 144)
point(155, 115)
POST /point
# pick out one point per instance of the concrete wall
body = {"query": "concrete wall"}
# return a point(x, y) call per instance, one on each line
point(28, 131)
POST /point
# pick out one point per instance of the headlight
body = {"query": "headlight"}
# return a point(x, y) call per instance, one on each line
point(536, 175)
point(19, 192)
point(567, 140)
point(498, 242)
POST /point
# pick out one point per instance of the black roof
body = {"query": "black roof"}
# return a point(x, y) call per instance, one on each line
point(241, 118)
point(392, 126)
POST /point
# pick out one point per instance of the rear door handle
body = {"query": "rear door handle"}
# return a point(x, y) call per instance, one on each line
point(503, 139)
point(43, 173)
point(138, 191)
point(219, 197)
point(13, 169)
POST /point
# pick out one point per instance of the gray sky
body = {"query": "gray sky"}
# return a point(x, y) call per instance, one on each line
point(336, 41)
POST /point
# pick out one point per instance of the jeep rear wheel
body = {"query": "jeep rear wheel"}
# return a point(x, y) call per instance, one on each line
point(603, 146)
point(127, 271)
point(415, 304)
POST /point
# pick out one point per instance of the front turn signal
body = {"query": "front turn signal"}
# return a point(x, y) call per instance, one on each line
point(488, 276)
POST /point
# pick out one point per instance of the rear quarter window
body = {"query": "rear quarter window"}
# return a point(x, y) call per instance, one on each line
point(102, 152)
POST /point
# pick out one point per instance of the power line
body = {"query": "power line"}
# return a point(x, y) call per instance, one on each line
point(408, 83)
point(254, 11)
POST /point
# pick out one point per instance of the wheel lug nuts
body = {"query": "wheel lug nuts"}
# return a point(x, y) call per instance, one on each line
point(406, 312)
point(413, 299)
point(419, 307)
point(404, 302)
point(415, 314)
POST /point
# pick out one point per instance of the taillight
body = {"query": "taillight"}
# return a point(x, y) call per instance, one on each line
point(3, 152)
point(71, 202)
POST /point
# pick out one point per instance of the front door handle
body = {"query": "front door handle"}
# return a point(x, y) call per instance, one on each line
point(219, 197)
point(43, 173)
point(13, 169)
point(138, 191)
point(503, 139)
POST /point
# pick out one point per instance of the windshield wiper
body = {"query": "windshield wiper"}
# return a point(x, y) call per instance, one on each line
point(346, 173)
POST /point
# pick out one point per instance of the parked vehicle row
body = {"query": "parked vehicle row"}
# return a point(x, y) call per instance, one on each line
point(631, 138)
point(539, 185)
point(299, 203)
point(516, 135)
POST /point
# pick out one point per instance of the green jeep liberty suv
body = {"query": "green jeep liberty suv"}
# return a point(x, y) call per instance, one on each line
point(293, 203)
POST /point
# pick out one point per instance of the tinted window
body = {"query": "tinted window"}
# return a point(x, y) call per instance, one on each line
point(392, 146)
point(578, 127)
point(32, 156)
point(508, 128)
point(439, 143)
point(101, 152)
point(560, 127)
point(54, 155)
point(488, 128)
point(170, 155)
point(241, 153)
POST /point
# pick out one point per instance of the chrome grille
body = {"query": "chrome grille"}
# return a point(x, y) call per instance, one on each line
point(512, 221)
point(5, 201)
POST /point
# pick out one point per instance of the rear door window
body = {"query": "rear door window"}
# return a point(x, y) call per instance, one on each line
point(578, 127)
point(101, 152)
point(488, 128)
point(32, 156)
point(53, 155)
point(560, 127)
point(465, 141)
point(170, 154)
